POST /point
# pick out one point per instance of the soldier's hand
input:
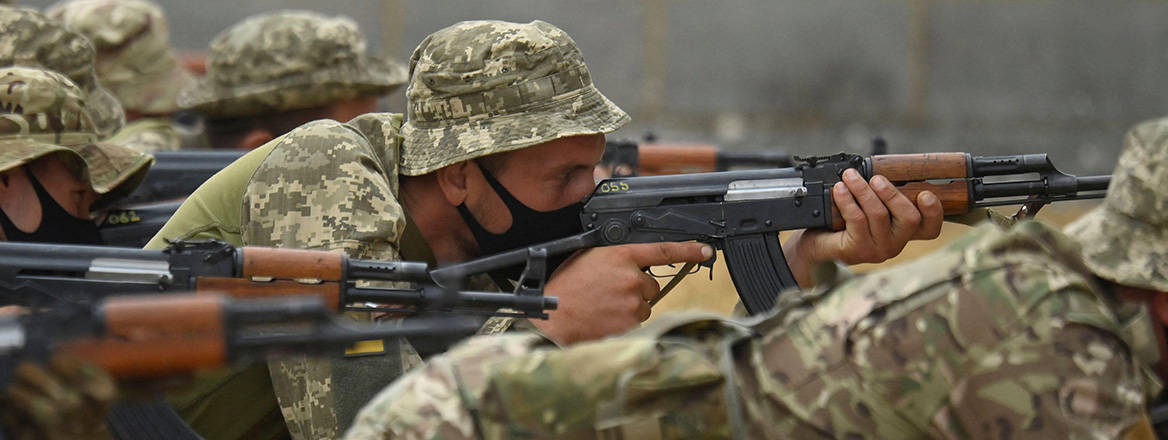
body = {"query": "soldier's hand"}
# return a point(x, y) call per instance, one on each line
point(604, 291)
point(65, 399)
point(878, 222)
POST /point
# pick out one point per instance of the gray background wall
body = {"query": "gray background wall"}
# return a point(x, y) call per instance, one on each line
point(1068, 76)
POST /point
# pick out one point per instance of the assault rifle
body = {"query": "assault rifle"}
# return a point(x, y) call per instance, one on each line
point(35, 274)
point(742, 212)
point(161, 335)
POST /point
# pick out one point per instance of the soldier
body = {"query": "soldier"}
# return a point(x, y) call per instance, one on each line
point(138, 65)
point(1004, 333)
point(47, 189)
point(275, 71)
point(504, 129)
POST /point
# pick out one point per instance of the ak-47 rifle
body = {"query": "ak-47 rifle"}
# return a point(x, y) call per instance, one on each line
point(742, 212)
point(34, 274)
point(162, 335)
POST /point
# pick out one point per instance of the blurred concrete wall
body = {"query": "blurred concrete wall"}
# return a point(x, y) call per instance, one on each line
point(807, 76)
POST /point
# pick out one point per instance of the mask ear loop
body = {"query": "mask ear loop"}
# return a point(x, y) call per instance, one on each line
point(501, 190)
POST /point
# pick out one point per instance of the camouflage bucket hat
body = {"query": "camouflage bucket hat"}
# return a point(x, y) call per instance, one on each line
point(40, 107)
point(32, 40)
point(135, 60)
point(1125, 239)
point(288, 60)
point(485, 87)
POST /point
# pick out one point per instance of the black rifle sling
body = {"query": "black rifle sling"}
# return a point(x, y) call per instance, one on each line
point(759, 270)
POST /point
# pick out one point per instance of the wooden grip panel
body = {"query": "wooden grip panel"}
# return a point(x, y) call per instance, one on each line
point(658, 159)
point(914, 167)
point(244, 288)
point(292, 263)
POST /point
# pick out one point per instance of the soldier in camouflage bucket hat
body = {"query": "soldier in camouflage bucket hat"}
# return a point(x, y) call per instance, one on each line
point(137, 63)
point(31, 39)
point(485, 87)
point(1124, 239)
point(1003, 333)
point(288, 60)
point(39, 107)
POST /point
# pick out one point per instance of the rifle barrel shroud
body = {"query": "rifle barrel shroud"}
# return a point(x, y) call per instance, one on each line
point(742, 212)
point(34, 274)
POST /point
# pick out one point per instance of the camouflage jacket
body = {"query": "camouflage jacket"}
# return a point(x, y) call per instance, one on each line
point(1003, 333)
point(333, 186)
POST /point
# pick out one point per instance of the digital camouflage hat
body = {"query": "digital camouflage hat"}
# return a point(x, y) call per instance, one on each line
point(135, 60)
point(288, 60)
point(32, 40)
point(44, 110)
point(1125, 239)
point(485, 87)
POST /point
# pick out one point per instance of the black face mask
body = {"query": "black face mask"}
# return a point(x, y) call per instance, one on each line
point(57, 224)
point(528, 227)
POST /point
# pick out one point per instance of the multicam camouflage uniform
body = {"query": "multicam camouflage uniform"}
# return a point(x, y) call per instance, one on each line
point(43, 112)
point(1001, 334)
point(288, 60)
point(135, 62)
point(32, 40)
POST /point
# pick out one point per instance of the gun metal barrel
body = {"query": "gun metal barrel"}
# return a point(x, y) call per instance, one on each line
point(487, 301)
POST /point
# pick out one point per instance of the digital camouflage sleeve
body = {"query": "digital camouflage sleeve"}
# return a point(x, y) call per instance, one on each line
point(1001, 334)
point(328, 185)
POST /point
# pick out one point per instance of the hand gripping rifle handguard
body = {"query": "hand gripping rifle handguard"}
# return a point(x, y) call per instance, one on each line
point(742, 212)
point(35, 274)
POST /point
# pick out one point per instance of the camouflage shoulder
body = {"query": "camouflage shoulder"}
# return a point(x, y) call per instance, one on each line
point(324, 185)
point(429, 401)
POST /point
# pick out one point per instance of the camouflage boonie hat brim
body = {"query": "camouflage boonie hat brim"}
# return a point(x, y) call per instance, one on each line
point(371, 77)
point(1125, 240)
point(487, 87)
point(156, 95)
point(114, 171)
point(15, 153)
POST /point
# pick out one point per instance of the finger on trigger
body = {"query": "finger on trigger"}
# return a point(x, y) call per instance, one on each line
point(659, 254)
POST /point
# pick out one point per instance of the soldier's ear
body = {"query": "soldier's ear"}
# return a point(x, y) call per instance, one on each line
point(452, 180)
